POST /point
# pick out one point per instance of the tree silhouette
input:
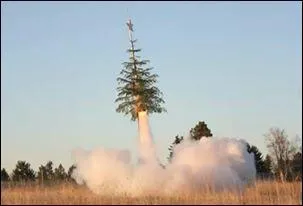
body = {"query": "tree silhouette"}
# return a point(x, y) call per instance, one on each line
point(177, 140)
point(70, 172)
point(23, 172)
point(4, 175)
point(296, 166)
point(259, 163)
point(281, 151)
point(60, 173)
point(46, 172)
point(268, 165)
point(199, 131)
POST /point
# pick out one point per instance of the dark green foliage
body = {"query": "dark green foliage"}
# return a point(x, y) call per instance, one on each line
point(60, 173)
point(70, 172)
point(296, 165)
point(46, 172)
point(137, 91)
point(260, 167)
point(41, 174)
point(268, 165)
point(4, 175)
point(199, 131)
point(196, 133)
point(177, 140)
point(23, 172)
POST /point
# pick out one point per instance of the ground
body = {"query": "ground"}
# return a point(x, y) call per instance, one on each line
point(264, 192)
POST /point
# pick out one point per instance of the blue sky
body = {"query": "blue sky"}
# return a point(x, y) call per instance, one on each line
point(235, 65)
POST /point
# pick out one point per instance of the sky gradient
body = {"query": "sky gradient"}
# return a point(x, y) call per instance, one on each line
point(235, 65)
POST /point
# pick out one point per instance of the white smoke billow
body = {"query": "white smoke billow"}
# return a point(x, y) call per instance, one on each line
point(221, 164)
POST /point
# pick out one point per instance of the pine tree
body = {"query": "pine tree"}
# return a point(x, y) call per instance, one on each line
point(23, 172)
point(49, 170)
point(296, 166)
point(41, 175)
point(60, 173)
point(268, 165)
point(177, 140)
point(199, 131)
point(137, 91)
point(70, 172)
point(196, 133)
point(4, 175)
point(46, 172)
point(258, 159)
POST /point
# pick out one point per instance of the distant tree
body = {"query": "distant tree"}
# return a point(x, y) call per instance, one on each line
point(177, 140)
point(4, 175)
point(23, 172)
point(199, 131)
point(49, 170)
point(268, 165)
point(60, 173)
point(41, 174)
point(259, 163)
point(196, 133)
point(70, 172)
point(46, 172)
point(281, 151)
point(296, 166)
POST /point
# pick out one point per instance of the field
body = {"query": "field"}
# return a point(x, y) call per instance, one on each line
point(264, 192)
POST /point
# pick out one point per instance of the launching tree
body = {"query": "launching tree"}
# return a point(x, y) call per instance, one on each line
point(136, 85)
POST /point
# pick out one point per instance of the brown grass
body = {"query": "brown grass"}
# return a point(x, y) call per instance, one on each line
point(264, 192)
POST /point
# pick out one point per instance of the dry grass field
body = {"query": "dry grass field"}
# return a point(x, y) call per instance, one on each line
point(264, 192)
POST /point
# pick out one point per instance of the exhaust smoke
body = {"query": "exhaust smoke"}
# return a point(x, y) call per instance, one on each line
point(220, 164)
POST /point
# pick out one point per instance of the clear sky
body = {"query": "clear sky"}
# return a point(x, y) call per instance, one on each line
point(235, 65)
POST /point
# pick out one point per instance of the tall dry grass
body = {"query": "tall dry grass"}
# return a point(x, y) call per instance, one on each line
point(263, 192)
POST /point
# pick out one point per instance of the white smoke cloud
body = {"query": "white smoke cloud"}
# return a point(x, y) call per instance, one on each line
point(221, 164)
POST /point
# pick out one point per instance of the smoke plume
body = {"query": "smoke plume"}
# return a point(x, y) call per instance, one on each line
point(217, 163)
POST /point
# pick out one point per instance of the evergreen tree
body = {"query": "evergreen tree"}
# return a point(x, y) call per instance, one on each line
point(23, 172)
point(46, 172)
point(259, 163)
point(49, 170)
point(268, 165)
point(296, 166)
point(137, 91)
point(41, 175)
point(70, 172)
point(60, 173)
point(196, 133)
point(4, 175)
point(199, 131)
point(177, 140)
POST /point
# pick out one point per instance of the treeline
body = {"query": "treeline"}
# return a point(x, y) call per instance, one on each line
point(46, 173)
point(283, 161)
